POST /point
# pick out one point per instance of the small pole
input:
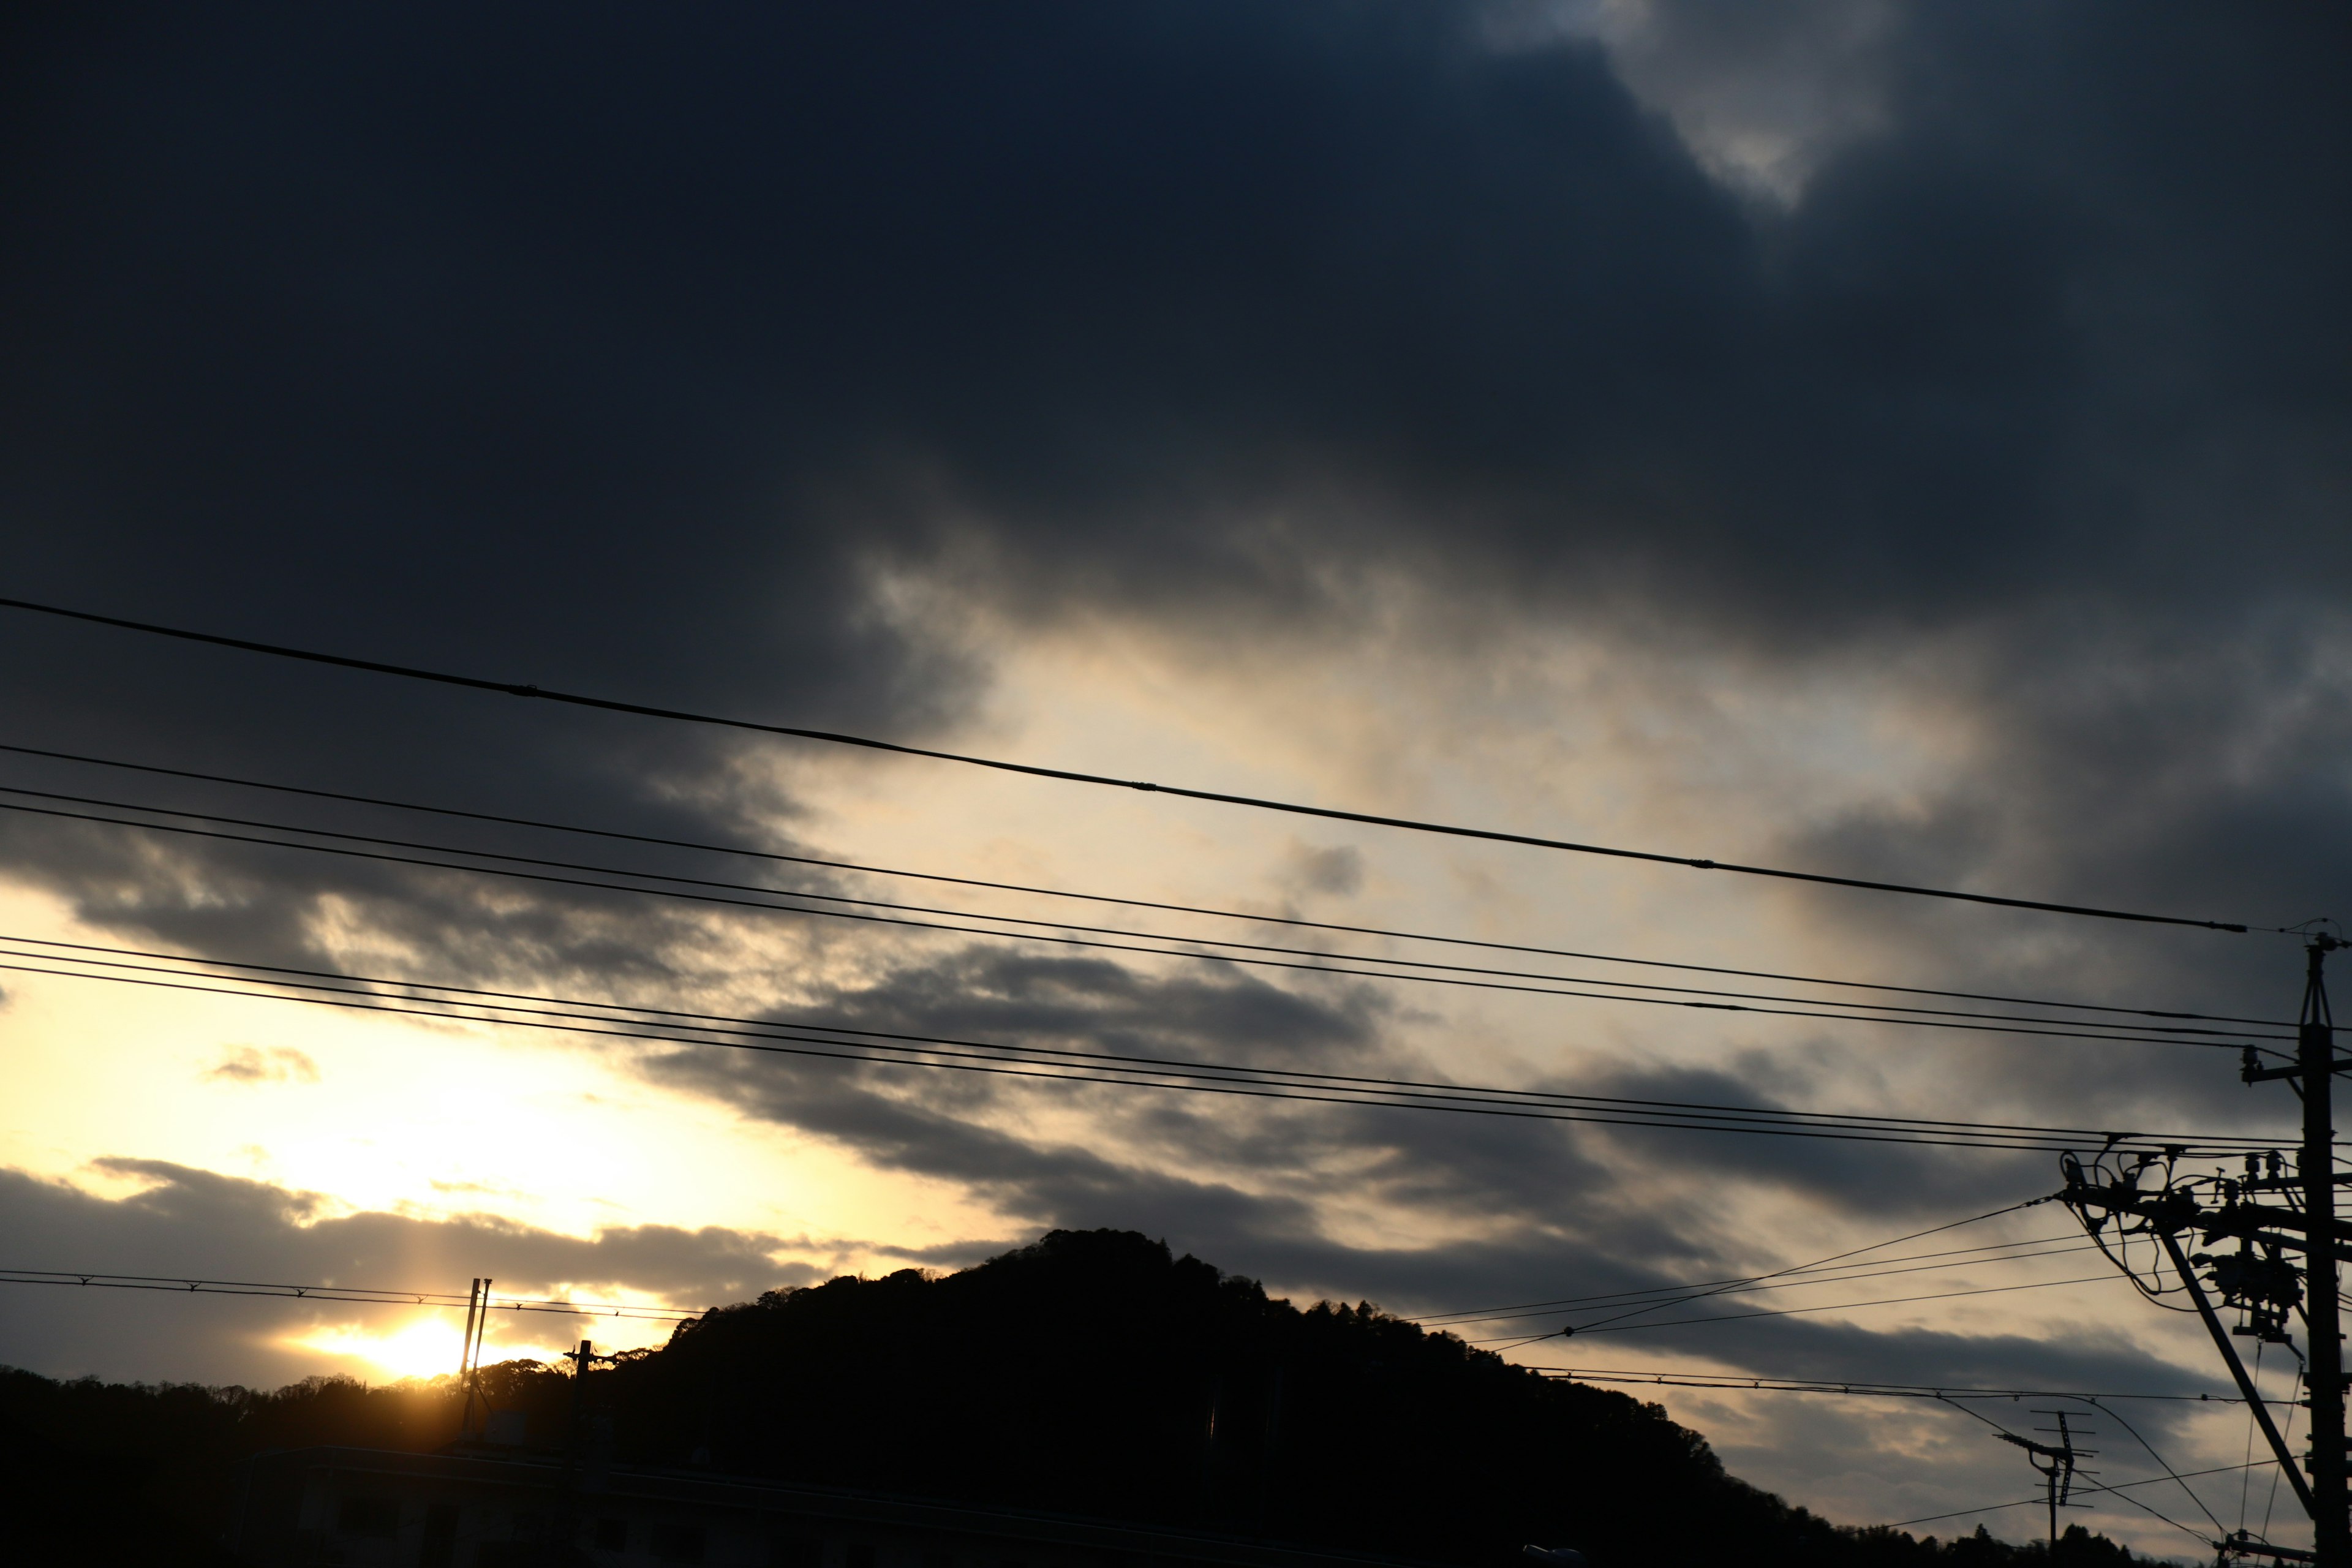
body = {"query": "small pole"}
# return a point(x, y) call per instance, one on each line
point(2316, 1055)
point(2050, 1489)
point(567, 1513)
point(466, 1356)
point(481, 1331)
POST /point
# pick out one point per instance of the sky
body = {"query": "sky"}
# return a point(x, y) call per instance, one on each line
point(1905, 442)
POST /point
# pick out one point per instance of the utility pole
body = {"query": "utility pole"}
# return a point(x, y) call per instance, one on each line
point(466, 1356)
point(566, 1546)
point(2259, 1280)
point(469, 1352)
point(2315, 1059)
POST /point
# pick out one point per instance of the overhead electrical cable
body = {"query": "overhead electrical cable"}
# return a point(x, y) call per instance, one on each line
point(1617, 1328)
point(1864, 1389)
point(1686, 1297)
point(764, 1028)
point(448, 1300)
point(391, 1296)
point(2286, 1433)
point(1721, 1288)
point(2166, 1465)
point(2080, 1478)
point(885, 1047)
point(703, 846)
point(1885, 1012)
point(831, 737)
point(2245, 1482)
point(1669, 1296)
point(1287, 1083)
point(365, 1295)
point(1485, 1314)
point(693, 889)
point(2037, 1501)
point(1724, 1286)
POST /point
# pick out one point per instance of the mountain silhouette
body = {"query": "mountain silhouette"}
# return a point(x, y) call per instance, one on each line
point(1092, 1373)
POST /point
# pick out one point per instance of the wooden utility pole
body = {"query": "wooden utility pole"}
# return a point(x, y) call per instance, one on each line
point(2322, 1309)
point(2259, 1282)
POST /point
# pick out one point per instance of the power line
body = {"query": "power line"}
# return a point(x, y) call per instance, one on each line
point(2080, 1479)
point(1725, 1288)
point(392, 1296)
point(1861, 1389)
point(446, 1300)
point(1294, 921)
point(1457, 975)
point(2166, 1465)
point(831, 737)
point(395, 1297)
point(360, 1294)
point(1616, 1328)
point(1217, 1077)
point(1488, 1314)
point(886, 1048)
point(1949, 1396)
point(1800, 1279)
point(1920, 1016)
point(1675, 1295)
point(2116, 1486)
point(754, 1029)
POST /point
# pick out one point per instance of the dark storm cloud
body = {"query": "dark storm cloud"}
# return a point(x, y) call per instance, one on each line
point(529, 341)
point(554, 325)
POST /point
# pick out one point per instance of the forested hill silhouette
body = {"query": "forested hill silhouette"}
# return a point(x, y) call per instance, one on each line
point(1095, 1374)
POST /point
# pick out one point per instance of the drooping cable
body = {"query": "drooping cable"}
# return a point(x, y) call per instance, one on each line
point(2036, 1501)
point(887, 1048)
point(1219, 797)
point(1669, 1296)
point(2080, 1479)
point(364, 1295)
point(1859, 1388)
point(1816, 1263)
point(2286, 1435)
point(2164, 1464)
point(693, 889)
point(1614, 1327)
point(1563, 1303)
point(542, 825)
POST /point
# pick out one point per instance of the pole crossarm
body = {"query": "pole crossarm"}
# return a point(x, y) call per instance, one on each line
point(2174, 1210)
